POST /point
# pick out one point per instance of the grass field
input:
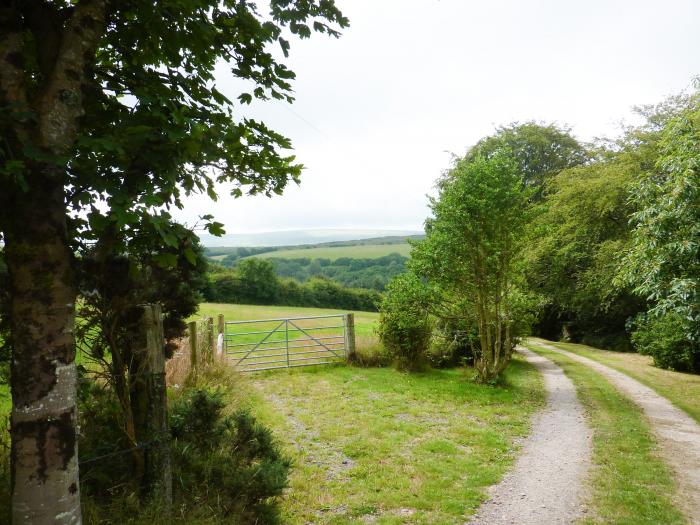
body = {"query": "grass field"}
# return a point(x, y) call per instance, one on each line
point(629, 483)
point(379, 446)
point(365, 322)
point(299, 342)
point(683, 390)
point(336, 252)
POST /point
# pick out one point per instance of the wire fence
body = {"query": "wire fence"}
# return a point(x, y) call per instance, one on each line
point(139, 446)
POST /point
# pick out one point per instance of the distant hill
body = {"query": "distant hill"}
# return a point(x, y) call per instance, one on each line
point(360, 263)
point(357, 248)
point(355, 251)
point(299, 237)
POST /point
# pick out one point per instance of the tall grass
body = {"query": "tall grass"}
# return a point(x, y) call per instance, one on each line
point(369, 352)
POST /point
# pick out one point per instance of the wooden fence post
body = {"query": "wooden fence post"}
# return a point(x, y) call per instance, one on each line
point(210, 340)
point(221, 329)
point(192, 328)
point(150, 405)
point(349, 334)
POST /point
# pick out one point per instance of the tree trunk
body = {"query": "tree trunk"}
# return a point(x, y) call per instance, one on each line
point(119, 374)
point(42, 113)
point(45, 486)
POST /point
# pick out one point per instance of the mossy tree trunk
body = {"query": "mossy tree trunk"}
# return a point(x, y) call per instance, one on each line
point(45, 486)
point(42, 112)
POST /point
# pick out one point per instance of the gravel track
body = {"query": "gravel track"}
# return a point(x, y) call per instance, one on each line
point(678, 434)
point(546, 486)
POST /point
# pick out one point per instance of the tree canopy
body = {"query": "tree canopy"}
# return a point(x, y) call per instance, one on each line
point(539, 150)
point(663, 262)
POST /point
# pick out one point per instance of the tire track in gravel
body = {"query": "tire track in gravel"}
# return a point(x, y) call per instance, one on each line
point(547, 483)
point(678, 434)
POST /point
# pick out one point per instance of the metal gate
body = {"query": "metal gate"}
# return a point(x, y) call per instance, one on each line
point(265, 344)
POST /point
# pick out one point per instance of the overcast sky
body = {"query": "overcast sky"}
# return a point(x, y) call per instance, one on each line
point(378, 110)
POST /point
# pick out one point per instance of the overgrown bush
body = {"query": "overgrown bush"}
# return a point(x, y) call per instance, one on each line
point(5, 491)
point(230, 461)
point(665, 340)
point(105, 468)
point(405, 325)
point(453, 341)
point(226, 468)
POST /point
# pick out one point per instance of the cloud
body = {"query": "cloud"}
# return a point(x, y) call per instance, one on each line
point(378, 109)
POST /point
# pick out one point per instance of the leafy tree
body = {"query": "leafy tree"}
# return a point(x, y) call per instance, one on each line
point(258, 282)
point(106, 330)
point(110, 114)
point(663, 263)
point(577, 242)
point(471, 250)
point(539, 151)
point(573, 254)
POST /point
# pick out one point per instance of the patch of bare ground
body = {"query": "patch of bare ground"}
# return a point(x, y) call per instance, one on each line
point(333, 462)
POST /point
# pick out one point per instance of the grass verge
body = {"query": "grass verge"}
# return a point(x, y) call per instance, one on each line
point(379, 446)
point(630, 484)
point(683, 390)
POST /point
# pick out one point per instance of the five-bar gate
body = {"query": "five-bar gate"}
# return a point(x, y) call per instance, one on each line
point(264, 344)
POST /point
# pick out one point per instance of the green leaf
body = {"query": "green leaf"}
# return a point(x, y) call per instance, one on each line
point(216, 229)
point(165, 260)
point(190, 256)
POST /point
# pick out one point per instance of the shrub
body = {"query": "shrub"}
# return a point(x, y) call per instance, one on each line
point(104, 465)
point(5, 490)
point(405, 326)
point(453, 343)
point(665, 340)
point(226, 468)
point(230, 461)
